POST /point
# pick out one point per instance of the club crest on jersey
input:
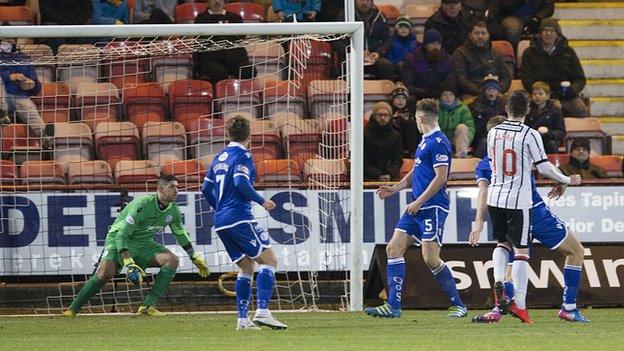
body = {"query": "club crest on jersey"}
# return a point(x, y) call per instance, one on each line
point(422, 145)
point(253, 242)
point(243, 169)
point(130, 220)
point(442, 158)
point(168, 218)
point(417, 161)
point(439, 140)
point(223, 156)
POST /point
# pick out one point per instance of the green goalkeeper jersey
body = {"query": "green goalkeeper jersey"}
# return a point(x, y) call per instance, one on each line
point(141, 219)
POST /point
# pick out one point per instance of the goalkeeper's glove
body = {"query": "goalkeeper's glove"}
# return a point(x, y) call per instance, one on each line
point(201, 265)
point(134, 273)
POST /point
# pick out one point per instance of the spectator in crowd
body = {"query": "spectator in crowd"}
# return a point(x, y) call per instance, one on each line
point(453, 23)
point(476, 59)
point(331, 11)
point(579, 161)
point(154, 11)
point(403, 40)
point(17, 84)
point(456, 121)
point(428, 66)
point(545, 117)
point(488, 104)
point(509, 19)
point(302, 10)
point(217, 65)
point(65, 12)
point(476, 7)
point(550, 59)
point(377, 41)
point(383, 149)
point(404, 119)
point(110, 12)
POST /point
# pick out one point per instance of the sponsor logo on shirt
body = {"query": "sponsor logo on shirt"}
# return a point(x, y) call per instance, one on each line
point(417, 161)
point(168, 218)
point(441, 158)
point(264, 236)
point(223, 156)
point(439, 140)
point(253, 242)
point(130, 220)
point(243, 169)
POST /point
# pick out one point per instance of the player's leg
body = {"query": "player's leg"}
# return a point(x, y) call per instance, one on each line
point(519, 234)
point(266, 282)
point(574, 251)
point(168, 263)
point(243, 293)
point(444, 277)
point(106, 271)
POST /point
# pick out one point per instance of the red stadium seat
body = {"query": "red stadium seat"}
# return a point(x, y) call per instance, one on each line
point(89, 172)
point(612, 164)
point(588, 127)
point(265, 135)
point(77, 63)
point(463, 168)
point(97, 102)
point(190, 99)
point(190, 173)
point(206, 137)
point(169, 68)
point(278, 171)
point(53, 102)
point(186, 13)
point(144, 98)
point(376, 91)
point(136, 172)
point(325, 170)
point(8, 172)
point(249, 11)
point(72, 139)
point(42, 172)
point(19, 144)
point(389, 11)
point(505, 49)
point(164, 138)
point(559, 159)
point(303, 136)
point(322, 97)
point(522, 45)
point(267, 57)
point(17, 15)
point(122, 66)
point(284, 95)
point(420, 12)
point(406, 167)
point(115, 141)
point(233, 95)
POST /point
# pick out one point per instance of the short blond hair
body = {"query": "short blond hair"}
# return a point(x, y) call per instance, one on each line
point(541, 85)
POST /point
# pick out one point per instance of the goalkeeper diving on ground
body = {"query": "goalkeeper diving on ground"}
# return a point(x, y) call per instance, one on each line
point(130, 244)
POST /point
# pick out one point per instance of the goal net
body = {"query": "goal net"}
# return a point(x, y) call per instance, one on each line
point(104, 114)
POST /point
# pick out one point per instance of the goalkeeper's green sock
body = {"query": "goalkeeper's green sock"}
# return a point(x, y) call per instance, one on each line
point(91, 287)
point(161, 283)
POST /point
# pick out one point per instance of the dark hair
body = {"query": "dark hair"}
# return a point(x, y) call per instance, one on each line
point(494, 121)
point(163, 180)
point(429, 108)
point(238, 128)
point(478, 23)
point(518, 104)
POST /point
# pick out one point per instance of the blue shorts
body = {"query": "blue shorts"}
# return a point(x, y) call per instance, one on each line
point(547, 227)
point(426, 225)
point(244, 239)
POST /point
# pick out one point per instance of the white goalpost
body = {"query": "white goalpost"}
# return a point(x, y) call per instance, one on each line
point(126, 108)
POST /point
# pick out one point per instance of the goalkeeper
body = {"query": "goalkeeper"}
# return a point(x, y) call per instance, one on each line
point(130, 244)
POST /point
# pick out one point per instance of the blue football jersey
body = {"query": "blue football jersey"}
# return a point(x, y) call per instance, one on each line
point(484, 171)
point(433, 151)
point(231, 206)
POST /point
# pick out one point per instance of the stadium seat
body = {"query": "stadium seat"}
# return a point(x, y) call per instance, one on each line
point(318, 56)
point(8, 172)
point(121, 65)
point(282, 96)
point(141, 99)
point(516, 84)
point(189, 99)
point(325, 170)
point(41, 172)
point(407, 166)
point(89, 172)
point(186, 13)
point(206, 160)
point(249, 11)
point(612, 164)
point(19, 144)
point(558, 159)
point(233, 95)
point(376, 91)
point(389, 11)
point(97, 102)
point(53, 102)
point(300, 136)
point(278, 171)
point(78, 63)
point(206, 137)
point(136, 172)
point(190, 173)
point(463, 168)
point(72, 139)
point(164, 138)
point(505, 49)
point(522, 45)
point(17, 15)
point(168, 69)
point(45, 68)
point(115, 141)
point(267, 57)
point(322, 97)
point(419, 13)
point(588, 127)
point(335, 135)
point(265, 135)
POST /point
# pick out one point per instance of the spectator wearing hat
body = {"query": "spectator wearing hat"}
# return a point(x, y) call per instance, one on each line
point(579, 161)
point(427, 67)
point(455, 121)
point(488, 104)
point(550, 59)
point(383, 149)
point(475, 60)
point(404, 119)
point(403, 40)
point(509, 19)
point(452, 22)
point(545, 117)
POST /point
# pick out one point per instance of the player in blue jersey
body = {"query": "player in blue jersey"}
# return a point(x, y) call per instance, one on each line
point(228, 189)
point(547, 228)
point(423, 222)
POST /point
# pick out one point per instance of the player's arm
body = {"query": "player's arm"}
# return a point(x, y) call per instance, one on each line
point(481, 211)
point(441, 176)
point(242, 183)
point(207, 190)
point(547, 169)
point(183, 240)
point(385, 191)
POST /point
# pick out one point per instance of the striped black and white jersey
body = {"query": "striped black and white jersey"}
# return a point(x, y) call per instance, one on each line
point(513, 149)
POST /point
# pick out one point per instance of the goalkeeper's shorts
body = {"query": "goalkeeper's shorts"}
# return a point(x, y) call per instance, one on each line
point(142, 253)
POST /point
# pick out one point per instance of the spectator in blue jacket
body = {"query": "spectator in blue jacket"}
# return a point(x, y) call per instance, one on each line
point(303, 10)
point(17, 84)
point(403, 40)
point(110, 12)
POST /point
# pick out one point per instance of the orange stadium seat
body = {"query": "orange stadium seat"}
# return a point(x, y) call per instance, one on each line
point(505, 49)
point(17, 15)
point(463, 168)
point(42, 172)
point(406, 167)
point(588, 127)
point(168, 69)
point(300, 136)
point(97, 102)
point(522, 45)
point(284, 95)
point(141, 99)
point(516, 84)
point(136, 172)
point(325, 170)
point(186, 13)
point(612, 164)
point(189, 99)
point(53, 102)
point(265, 135)
point(77, 63)
point(267, 57)
point(206, 136)
point(164, 138)
point(45, 68)
point(72, 139)
point(558, 159)
point(335, 134)
point(322, 97)
point(89, 172)
point(249, 11)
point(278, 171)
point(19, 144)
point(8, 172)
point(420, 11)
point(233, 95)
point(190, 173)
point(115, 141)
point(122, 66)
point(389, 11)
point(376, 91)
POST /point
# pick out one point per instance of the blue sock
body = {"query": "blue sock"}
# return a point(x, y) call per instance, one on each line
point(571, 279)
point(243, 294)
point(266, 281)
point(444, 277)
point(509, 290)
point(396, 276)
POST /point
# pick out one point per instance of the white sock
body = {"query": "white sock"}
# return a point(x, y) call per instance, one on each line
point(243, 319)
point(263, 312)
point(500, 258)
point(521, 280)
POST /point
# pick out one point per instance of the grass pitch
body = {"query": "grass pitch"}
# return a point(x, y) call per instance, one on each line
point(416, 330)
